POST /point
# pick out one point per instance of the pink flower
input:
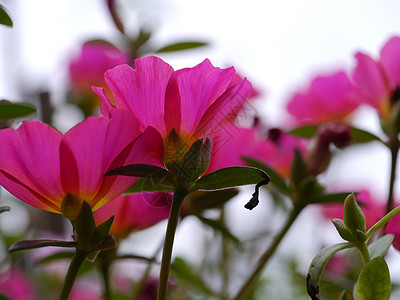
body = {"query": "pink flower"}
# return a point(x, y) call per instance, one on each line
point(15, 285)
point(374, 210)
point(44, 168)
point(195, 102)
point(87, 68)
point(329, 98)
point(84, 289)
point(134, 212)
point(379, 81)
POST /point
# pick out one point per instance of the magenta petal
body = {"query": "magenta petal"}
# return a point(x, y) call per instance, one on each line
point(370, 79)
point(199, 88)
point(224, 108)
point(146, 149)
point(142, 90)
point(390, 59)
point(29, 167)
point(95, 143)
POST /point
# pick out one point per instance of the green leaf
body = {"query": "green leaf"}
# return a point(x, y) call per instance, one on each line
point(151, 185)
point(329, 198)
point(4, 17)
point(101, 231)
point(184, 273)
point(10, 110)
point(361, 136)
point(141, 170)
point(343, 231)
point(231, 177)
point(2, 297)
point(221, 228)
point(33, 244)
point(276, 179)
point(4, 208)
point(199, 201)
point(307, 131)
point(109, 242)
point(181, 46)
point(380, 246)
point(374, 281)
point(318, 265)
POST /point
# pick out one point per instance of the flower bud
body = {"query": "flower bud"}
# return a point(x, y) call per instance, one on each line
point(353, 216)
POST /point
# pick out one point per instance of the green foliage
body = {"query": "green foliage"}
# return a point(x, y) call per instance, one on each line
point(381, 246)
point(33, 244)
point(353, 216)
point(374, 281)
point(4, 17)
point(181, 46)
point(10, 110)
point(218, 226)
point(4, 208)
point(231, 177)
point(318, 265)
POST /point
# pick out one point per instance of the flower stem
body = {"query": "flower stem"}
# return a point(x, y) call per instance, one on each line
point(364, 253)
point(268, 254)
point(394, 150)
point(76, 262)
point(173, 219)
point(105, 259)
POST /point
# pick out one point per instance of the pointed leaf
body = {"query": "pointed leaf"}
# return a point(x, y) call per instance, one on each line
point(181, 46)
point(231, 177)
point(218, 226)
point(276, 179)
point(361, 136)
point(4, 208)
point(109, 242)
point(381, 246)
point(343, 231)
point(150, 185)
point(374, 281)
point(299, 169)
point(307, 131)
point(318, 264)
point(101, 231)
point(142, 170)
point(10, 110)
point(5, 18)
point(33, 244)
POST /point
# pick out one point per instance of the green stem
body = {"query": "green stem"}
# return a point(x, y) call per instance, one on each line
point(224, 259)
point(173, 219)
point(106, 258)
point(394, 150)
point(268, 254)
point(76, 262)
point(362, 247)
point(382, 222)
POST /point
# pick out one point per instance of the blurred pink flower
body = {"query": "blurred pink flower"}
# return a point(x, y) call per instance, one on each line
point(373, 209)
point(88, 66)
point(134, 212)
point(379, 81)
point(195, 102)
point(15, 285)
point(329, 98)
point(232, 143)
point(85, 290)
point(42, 167)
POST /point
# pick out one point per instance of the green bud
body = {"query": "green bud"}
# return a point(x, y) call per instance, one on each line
point(343, 231)
point(353, 216)
point(197, 159)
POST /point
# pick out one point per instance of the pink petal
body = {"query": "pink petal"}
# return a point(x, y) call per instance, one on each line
point(146, 149)
point(95, 143)
point(390, 58)
point(29, 164)
point(225, 108)
point(199, 88)
point(370, 79)
point(142, 90)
